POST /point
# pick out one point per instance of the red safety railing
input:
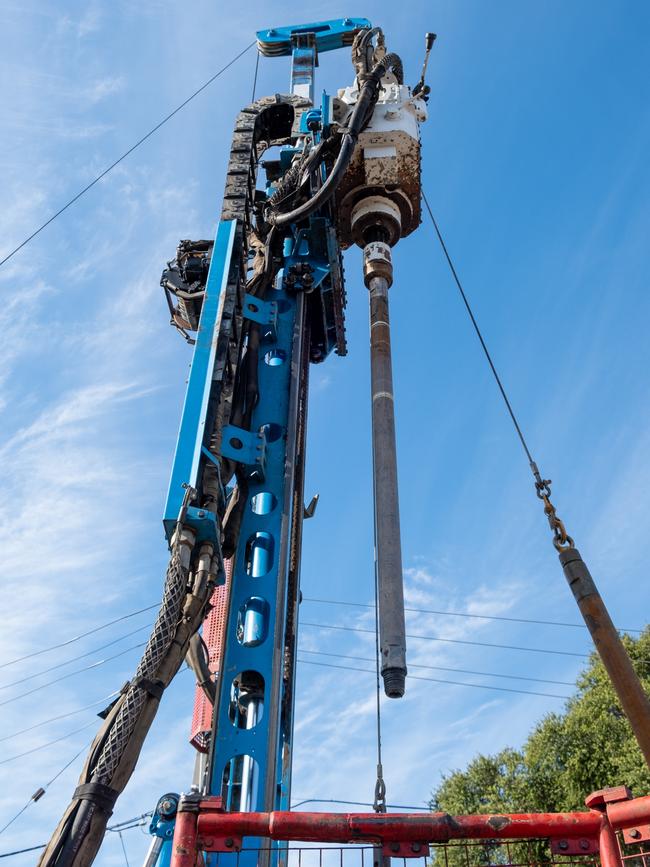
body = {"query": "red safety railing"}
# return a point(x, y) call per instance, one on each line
point(614, 832)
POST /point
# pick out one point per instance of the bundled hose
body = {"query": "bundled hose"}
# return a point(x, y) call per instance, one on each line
point(369, 93)
point(116, 748)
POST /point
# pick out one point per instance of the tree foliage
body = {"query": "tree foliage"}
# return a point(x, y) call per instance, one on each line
point(586, 747)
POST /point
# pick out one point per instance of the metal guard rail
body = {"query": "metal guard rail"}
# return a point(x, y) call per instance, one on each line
point(203, 826)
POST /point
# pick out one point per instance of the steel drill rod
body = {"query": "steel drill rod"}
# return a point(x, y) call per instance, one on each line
point(614, 656)
point(388, 548)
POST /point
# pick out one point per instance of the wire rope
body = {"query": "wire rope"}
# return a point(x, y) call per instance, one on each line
point(126, 153)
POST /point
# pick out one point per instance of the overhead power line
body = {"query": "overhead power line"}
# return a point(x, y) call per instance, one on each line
point(72, 674)
point(112, 695)
point(437, 680)
point(454, 640)
point(443, 668)
point(48, 744)
point(38, 794)
point(136, 822)
point(100, 701)
point(22, 851)
point(41, 671)
point(140, 141)
point(79, 637)
point(463, 614)
point(355, 803)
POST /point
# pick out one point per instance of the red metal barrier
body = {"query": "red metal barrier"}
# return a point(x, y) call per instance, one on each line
point(406, 835)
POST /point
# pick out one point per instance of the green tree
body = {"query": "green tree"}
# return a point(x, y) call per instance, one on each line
point(567, 756)
point(586, 747)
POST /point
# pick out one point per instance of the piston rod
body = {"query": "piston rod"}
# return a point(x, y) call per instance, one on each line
point(388, 549)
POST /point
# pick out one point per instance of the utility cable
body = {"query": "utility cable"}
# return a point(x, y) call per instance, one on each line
point(455, 640)
point(438, 680)
point(69, 713)
point(22, 851)
point(125, 154)
point(78, 637)
point(463, 614)
point(112, 695)
point(41, 671)
point(121, 826)
point(48, 744)
point(126, 857)
point(356, 803)
point(72, 674)
point(38, 794)
point(315, 600)
point(442, 668)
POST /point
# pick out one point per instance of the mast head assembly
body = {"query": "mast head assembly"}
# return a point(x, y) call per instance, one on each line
point(381, 187)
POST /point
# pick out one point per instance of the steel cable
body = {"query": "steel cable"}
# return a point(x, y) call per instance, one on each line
point(125, 154)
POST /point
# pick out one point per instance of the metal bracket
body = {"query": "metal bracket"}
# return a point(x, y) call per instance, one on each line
point(164, 816)
point(406, 850)
point(204, 523)
point(247, 448)
point(640, 834)
point(264, 313)
point(574, 846)
point(219, 844)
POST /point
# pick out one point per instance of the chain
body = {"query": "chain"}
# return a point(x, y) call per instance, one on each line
point(561, 539)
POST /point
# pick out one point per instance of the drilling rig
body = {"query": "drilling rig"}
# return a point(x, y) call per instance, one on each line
point(260, 303)
point(307, 179)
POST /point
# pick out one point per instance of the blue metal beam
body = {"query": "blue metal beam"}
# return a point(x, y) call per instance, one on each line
point(329, 35)
point(200, 384)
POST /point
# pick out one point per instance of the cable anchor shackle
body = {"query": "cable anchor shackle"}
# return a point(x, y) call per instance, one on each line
point(561, 538)
point(379, 803)
point(607, 641)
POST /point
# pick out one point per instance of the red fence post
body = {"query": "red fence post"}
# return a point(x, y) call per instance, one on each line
point(610, 854)
point(184, 845)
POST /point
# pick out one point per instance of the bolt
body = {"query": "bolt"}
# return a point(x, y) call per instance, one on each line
point(201, 514)
point(229, 842)
point(416, 847)
point(394, 847)
point(584, 844)
point(563, 844)
point(635, 833)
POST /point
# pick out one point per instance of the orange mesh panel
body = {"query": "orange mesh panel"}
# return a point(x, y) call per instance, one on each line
point(213, 633)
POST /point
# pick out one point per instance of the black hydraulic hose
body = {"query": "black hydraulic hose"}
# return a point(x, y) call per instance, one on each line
point(360, 116)
point(197, 659)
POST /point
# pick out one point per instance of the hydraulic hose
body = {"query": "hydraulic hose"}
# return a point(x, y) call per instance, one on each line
point(197, 659)
point(359, 119)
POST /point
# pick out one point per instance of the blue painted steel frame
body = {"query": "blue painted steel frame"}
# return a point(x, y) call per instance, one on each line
point(263, 742)
point(191, 436)
point(330, 35)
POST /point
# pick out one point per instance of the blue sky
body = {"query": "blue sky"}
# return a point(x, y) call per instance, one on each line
point(535, 163)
